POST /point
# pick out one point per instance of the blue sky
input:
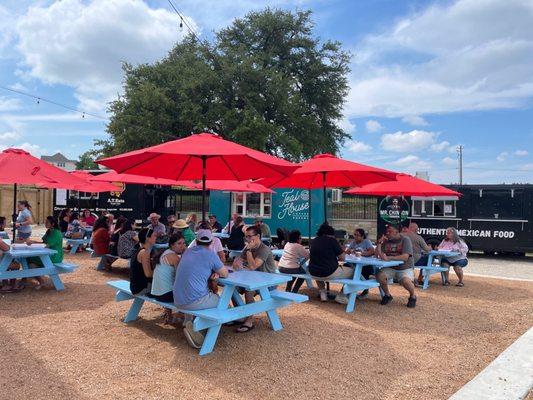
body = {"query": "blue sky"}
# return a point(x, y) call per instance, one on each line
point(426, 76)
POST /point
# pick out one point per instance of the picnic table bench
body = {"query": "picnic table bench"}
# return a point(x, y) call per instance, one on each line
point(212, 319)
point(430, 269)
point(76, 243)
point(21, 255)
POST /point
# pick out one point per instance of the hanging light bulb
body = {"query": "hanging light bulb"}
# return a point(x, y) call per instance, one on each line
point(83, 115)
point(38, 100)
point(181, 22)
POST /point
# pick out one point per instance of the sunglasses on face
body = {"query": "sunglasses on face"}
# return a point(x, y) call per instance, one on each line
point(249, 236)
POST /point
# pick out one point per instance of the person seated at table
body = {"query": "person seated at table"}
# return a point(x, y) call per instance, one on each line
point(100, 243)
point(192, 221)
point(215, 246)
point(181, 226)
point(256, 256)
point(111, 221)
point(155, 225)
point(64, 218)
point(171, 219)
point(419, 247)
point(265, 229)
point(294, 254)
point(236, 236)
point(453, 242)
point(88, 219)
point(215, 225)
point(54, 241)
point(325, 254)
point(231, 222)
point(115, 236)
point(196, 267)
point(11, 285)
point(141, 272)
point(127, 240)
point(2, 224)
point(74, 230)
point(24, 221)
point(362, 246)
point(394, 247)
point(165, 272)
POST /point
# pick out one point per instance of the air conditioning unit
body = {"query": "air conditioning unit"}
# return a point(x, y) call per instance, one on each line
point(336, 195)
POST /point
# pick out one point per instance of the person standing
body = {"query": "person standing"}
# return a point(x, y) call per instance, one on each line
point(23, 221)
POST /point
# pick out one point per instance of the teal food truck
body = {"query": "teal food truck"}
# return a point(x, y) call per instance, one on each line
point(285, 208)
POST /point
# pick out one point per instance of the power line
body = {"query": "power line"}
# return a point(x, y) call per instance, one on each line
point(183, 21)
point(67, 107)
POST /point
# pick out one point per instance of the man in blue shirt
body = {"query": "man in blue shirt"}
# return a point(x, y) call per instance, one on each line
point(197, 265)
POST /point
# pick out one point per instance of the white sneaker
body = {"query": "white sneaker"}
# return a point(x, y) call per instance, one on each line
point(323, 295)
point(341, 298)
point(195, 339)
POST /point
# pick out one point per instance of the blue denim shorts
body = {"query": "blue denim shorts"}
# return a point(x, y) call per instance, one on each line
point(23, 235)
point(459, 263)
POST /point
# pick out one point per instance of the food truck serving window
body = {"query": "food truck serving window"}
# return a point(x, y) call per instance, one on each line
point(429, 207)
point(252, 205)
point(83, 195)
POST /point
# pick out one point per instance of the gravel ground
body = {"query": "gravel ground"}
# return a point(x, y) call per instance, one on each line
point(72, 344)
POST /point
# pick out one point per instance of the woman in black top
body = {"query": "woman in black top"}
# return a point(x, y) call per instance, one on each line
point(325, 254)
point(236, 236)
point(140, 264)
point(64, 217)
point(113, 242)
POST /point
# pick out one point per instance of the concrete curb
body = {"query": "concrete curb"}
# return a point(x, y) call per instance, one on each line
point(509, 376)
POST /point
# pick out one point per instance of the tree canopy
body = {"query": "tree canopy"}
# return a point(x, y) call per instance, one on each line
point(86, 161)
point(265, 82)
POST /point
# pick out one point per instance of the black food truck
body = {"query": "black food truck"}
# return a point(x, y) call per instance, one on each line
point(490, 218)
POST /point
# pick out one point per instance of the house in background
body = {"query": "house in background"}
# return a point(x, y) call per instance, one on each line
point(60, 161)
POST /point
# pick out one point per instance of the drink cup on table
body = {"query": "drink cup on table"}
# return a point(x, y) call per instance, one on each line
point(358, 253)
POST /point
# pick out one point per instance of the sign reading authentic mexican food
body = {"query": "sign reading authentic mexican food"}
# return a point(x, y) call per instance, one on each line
point(393, 210)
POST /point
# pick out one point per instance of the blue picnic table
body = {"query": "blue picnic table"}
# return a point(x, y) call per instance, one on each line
point(160, 246)
point(430, 269)
point(21, 255)
point(212, 319)
point(221, 235)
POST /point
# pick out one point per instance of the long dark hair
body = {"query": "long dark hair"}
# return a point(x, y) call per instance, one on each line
point(101, 222)
point(53, 222)
point(325, 230)
point(294, 236)
point(361, 232)
point(73, 216)
point(126, 226)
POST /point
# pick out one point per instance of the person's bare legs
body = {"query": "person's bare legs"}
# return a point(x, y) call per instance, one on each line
point(382, 278)
point(409, 286)
point(248, 322)
point(459, 273)
point(446, 273)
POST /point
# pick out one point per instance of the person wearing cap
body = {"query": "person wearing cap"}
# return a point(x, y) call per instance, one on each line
point(191, 292)
point(256, 256)
point(215, 225)
point(185, 230)
point(215, 246)
point(157, 226)
point(265, 229)
point(394, 247)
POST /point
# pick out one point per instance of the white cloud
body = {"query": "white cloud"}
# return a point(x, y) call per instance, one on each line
point(82, 44)
point(357, 147)
point(9, 136)
point(502, 156)
point(449, 161)
point(415, 120)
point(373, 126)
point(9, 104)
point(409, 141)
point(346, 125)
point(411, 163)
point(527, 167)
point(452, 56)
point(521, 153)
point(438, 147)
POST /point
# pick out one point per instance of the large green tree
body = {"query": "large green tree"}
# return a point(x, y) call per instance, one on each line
point(265, 82)
point(86, 161)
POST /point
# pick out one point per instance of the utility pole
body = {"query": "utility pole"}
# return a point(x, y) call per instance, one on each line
point(460, 159)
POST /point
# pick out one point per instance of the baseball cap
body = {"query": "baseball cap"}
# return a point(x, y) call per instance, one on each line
point(204, 236)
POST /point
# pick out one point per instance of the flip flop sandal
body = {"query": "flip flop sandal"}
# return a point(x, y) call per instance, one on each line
point(245, 328)
point(446, 283)
point(460, 284)
point(235, 322)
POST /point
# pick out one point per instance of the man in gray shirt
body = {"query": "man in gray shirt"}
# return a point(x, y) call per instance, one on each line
point(420, 248)
point(394, 247)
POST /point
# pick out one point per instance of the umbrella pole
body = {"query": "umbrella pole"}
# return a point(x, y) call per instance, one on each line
point(204, 161)
point(309, 214)
point(325, 196)
point(14, 216)
point(229, 215)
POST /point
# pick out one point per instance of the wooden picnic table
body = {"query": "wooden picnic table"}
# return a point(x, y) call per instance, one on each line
point(21, 255)
point(430, 269)
point(212, 319)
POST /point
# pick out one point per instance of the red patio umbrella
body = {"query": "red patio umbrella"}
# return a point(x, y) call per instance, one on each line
point(404, 185)
point(200, 156)
point(113, 176)
point(20, 167)
point(327, 171)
